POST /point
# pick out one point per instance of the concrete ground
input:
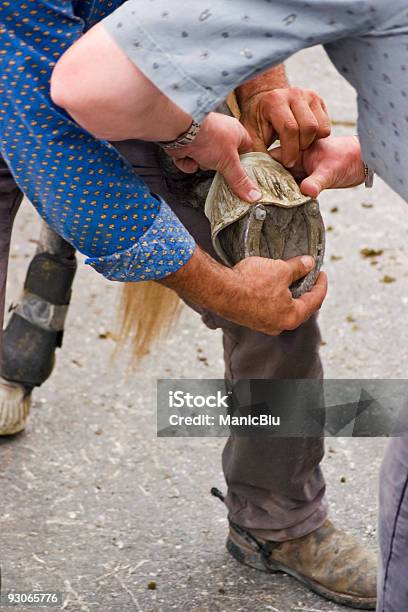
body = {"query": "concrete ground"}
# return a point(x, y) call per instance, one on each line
point(95, 506)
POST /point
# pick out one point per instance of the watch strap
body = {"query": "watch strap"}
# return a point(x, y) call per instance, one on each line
point(184, 139)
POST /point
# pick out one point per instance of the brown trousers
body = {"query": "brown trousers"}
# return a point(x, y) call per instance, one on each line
point(275, 485)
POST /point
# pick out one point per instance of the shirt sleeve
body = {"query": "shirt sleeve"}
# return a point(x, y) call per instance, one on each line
point(80, 185)
point(197, 52)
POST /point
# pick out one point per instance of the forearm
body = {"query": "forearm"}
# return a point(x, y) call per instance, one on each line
point(254, 293)
point(97, 84)
point(275, 78)
point(204, 281)
point(111, 98)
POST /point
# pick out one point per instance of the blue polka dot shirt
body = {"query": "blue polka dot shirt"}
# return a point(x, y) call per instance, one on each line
point(80, 185)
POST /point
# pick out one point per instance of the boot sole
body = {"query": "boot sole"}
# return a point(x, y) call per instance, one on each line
point(251, 558)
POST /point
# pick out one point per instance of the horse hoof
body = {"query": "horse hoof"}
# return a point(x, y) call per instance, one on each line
point(15, 404)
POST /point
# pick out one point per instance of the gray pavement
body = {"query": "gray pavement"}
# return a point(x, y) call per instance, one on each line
point(95, 506)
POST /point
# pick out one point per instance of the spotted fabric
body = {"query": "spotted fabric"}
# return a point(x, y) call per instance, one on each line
point(80, 185)
point(196, 51)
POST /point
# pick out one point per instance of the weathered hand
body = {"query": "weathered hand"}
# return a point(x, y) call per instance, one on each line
point(217, 147)
point(272, 308)
point(330, 163)
point(296, 116)
point(255, 293)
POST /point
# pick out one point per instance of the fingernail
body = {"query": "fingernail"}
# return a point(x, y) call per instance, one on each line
point(290, 164)
point(254, 195)
point(307, 261)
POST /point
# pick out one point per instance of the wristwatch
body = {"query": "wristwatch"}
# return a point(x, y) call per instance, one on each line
point(184, 139)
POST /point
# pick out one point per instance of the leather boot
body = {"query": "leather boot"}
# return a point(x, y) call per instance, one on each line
point(328, 561)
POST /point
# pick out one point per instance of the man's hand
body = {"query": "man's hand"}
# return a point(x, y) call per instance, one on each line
point(331, 163)
point(254, 293)
point(298, 117)
point(267, 304)
point(217, 147)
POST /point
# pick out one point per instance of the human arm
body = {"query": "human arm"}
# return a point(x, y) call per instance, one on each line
point(193, 57)
point(254, 293)
point(96, 83)
point(106, 93)
point(80, 185)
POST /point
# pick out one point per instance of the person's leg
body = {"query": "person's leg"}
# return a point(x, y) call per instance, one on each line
point(275, 486)
point(259, 497)
point(393, 528)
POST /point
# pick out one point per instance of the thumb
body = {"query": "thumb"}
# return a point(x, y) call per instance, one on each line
point(315, 183)
point(299, 267)
point(239, 181)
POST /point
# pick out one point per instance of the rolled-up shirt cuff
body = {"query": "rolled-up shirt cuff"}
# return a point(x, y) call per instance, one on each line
point(162, 250)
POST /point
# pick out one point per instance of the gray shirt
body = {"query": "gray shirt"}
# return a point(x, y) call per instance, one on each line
point(197, 51)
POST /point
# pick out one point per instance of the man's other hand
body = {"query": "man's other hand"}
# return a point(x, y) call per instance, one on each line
point(269, 306)
point(255, 293)
point(298, 117)
point(330, 163)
